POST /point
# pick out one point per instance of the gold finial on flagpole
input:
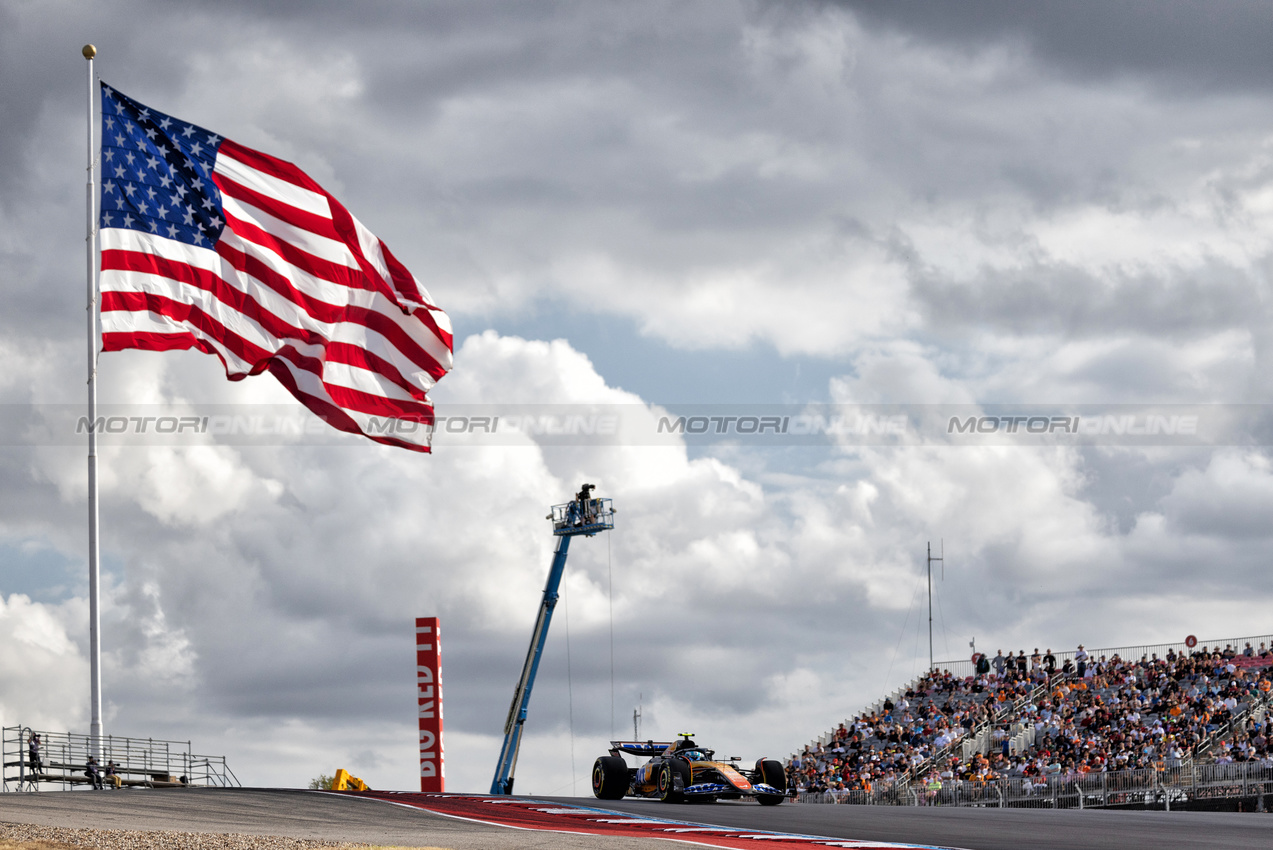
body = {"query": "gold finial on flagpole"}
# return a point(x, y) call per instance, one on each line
point(89, 51)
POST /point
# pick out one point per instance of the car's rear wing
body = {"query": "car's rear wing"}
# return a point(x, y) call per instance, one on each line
point(639, 748)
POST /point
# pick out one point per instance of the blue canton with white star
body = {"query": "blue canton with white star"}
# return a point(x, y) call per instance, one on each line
point(157, 173)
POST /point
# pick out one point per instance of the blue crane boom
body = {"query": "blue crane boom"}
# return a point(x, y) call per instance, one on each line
point(587, 516)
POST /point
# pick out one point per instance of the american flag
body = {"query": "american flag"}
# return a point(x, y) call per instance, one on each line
point(211, 245)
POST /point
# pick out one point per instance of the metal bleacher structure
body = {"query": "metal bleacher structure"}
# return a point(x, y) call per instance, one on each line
point(1192, 780)
point(140, 762)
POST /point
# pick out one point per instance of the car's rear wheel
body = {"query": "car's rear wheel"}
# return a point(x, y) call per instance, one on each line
point(668, 774)
point(610, 778)
point(771, 773)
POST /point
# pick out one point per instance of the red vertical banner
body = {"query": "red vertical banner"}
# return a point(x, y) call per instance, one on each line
point(428, 660)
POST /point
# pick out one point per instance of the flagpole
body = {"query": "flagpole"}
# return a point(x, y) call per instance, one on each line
point(94, 606)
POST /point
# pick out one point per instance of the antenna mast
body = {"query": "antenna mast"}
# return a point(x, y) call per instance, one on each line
point(930, 596)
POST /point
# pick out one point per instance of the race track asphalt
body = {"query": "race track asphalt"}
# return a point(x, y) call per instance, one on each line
point(979, 829)
point(289, 813)
point(302, 814)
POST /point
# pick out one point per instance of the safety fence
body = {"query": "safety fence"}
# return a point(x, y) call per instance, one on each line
point(1148, 788)
point(147, 762)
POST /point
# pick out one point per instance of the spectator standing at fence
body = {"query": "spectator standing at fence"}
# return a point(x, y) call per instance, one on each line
point(33, 753)
point(999, 663)
point(1080, 660)
point(1049, 662)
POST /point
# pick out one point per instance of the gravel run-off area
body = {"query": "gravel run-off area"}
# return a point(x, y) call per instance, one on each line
point(17, 836)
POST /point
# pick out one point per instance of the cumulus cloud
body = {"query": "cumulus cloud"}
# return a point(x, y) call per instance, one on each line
point(44, 672)
point(277, 583)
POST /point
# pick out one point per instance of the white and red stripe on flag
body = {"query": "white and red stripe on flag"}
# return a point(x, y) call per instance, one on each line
point(210, 245)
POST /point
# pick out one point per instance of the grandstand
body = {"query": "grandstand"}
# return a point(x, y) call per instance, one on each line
point(1155, 725)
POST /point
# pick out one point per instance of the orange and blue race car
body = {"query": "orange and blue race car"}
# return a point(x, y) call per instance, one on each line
point(681, 770)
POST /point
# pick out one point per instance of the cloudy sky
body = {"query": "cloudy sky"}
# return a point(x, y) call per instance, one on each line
point(657, 209)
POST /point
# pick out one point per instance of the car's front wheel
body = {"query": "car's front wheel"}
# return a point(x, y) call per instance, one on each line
point(610, 778)
point(771, 773)
point(668, 774)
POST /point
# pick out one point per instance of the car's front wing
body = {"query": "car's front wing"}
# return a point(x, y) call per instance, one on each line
point(703, 789)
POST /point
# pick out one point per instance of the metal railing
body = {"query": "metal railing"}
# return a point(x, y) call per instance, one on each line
point(979, 735)
point(965, 666)
point(1143, 788)
point(1256, 708)
point(64, 756)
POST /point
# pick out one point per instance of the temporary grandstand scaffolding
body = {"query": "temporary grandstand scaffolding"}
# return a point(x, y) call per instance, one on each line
point(1190, 782)
point(965, 667)
point(140, 762)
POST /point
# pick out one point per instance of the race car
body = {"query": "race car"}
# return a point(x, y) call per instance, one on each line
point(681, 770)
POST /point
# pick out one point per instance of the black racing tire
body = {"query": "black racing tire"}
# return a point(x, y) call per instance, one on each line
point(610, 778)
point(771, 773)
point(667, 785)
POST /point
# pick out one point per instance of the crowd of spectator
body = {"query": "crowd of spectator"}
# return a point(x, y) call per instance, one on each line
point(1081, 716)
